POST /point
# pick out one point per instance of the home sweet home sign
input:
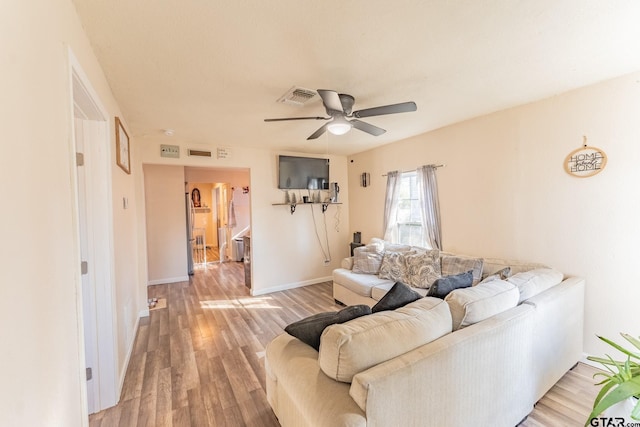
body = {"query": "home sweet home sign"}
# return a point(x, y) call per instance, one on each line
point(585, 161)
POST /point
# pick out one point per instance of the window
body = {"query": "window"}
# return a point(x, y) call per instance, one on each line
point(408, 217)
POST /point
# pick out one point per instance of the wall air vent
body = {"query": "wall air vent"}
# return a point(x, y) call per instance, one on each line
point(298, 96)
point(199, 153)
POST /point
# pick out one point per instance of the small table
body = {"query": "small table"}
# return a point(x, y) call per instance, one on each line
point(354, 245)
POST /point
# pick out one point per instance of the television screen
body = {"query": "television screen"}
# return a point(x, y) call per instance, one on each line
point(303, 173)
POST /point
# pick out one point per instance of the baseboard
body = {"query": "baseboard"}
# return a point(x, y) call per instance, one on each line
point(589, 362)
point(287, 286)
point(168, 280)
point(128, 356)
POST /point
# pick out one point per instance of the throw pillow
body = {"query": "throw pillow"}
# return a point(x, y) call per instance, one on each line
point(398, 296)
point(422, 268)
point(444, 285)
point(367, 259)
point(310, 329)
point(451, 265)
point(393, 266)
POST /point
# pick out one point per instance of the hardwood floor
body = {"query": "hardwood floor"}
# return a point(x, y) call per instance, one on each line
point(200, 361)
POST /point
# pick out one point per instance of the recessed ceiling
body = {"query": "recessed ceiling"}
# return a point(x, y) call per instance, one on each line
point(213, 70)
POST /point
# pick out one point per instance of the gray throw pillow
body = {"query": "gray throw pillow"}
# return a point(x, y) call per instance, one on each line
point(309, 329)
point(398, 296)
point(446, 284)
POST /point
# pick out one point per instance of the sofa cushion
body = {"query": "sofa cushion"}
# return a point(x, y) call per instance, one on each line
point(398, 296)
point(454, 264)
point(354, 346)
point(392, 247)
point(474, 304)
point(422, 268)
point(501, 274)
point(394, 266)
point(367, 259)
point(444, 285)
point(309, 329)
point(531, 283)
point(491, 266)
point(360, 284)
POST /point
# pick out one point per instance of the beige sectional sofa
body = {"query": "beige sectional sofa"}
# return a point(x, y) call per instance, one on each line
point(482, 356)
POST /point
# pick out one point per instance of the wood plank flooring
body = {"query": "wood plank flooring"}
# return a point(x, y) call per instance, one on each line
point(200, 361)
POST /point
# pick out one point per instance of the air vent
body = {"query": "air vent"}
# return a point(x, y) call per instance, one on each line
point(297, 96)
point(200, 153)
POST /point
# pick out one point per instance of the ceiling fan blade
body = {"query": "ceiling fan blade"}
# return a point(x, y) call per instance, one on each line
point(366, 127)
point(331, 100)
point(403, 107)
point(319, 132)
point(297, 118)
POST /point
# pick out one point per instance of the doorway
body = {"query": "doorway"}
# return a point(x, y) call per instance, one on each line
point(94, 230)
point(223, 215)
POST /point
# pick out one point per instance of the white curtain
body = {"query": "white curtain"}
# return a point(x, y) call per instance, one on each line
point(390, 230)
point(429, 206)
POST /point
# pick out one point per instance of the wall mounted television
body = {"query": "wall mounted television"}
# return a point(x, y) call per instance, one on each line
point(296, 173)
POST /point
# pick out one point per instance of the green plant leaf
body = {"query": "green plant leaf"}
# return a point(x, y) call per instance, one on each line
point(619, 347)
point(635, 414)
point(634, 341)
point(618, 394)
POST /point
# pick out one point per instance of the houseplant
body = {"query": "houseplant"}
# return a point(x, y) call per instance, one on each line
point(621, 382)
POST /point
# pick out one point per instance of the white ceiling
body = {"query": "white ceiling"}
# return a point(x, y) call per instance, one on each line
point(213, 70)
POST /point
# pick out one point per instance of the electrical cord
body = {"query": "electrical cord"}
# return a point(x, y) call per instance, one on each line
point(327, 254)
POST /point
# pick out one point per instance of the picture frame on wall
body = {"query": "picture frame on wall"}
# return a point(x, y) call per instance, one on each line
point(123, 158)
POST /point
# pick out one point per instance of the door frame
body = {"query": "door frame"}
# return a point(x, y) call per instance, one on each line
point(99, 323)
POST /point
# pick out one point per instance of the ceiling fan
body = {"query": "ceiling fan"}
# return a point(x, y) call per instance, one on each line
point(342, 119)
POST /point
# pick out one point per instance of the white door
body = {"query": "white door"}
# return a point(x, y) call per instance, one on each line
point(88, 293)
point(95, 229)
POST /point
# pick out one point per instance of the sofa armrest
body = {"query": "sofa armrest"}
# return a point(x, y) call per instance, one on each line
point(300, 394)
point(347, 263)
point(558, 331)
point(447, 381)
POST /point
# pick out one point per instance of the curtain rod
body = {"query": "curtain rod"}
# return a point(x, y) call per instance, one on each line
point(435, 166)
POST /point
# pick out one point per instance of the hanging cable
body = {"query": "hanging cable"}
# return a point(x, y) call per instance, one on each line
point(327, 253)
point(337, 218)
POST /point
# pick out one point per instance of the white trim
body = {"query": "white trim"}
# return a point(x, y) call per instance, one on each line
point(102, 266)
point(290, 286)
point(125, 365)
point(168, 280)
point(589, 362)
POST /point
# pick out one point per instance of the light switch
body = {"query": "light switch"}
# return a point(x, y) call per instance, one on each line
point(125, 203)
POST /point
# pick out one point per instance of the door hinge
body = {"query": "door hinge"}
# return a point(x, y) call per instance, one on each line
point(79, 159)
point(89, 374)
point(84, 267)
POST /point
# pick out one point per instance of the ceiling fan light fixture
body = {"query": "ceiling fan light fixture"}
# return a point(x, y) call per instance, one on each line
point(339, 126)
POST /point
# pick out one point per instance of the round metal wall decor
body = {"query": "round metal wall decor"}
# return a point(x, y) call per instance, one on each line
point(585, 161)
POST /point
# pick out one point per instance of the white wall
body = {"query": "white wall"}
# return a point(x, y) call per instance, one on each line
point(285, 250)
point(165, 223)
point(504, 192)
point(41, 362)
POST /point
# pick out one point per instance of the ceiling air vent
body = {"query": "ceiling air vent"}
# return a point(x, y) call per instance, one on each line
point(297, 96)
point(200, 153)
